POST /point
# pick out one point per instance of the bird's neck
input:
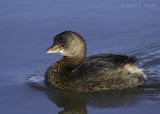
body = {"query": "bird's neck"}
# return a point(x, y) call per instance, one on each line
point(67, 64)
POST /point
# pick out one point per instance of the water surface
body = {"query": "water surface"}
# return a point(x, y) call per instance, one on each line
point(27, 29)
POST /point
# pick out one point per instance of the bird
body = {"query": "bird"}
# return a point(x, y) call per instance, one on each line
point(79, 73)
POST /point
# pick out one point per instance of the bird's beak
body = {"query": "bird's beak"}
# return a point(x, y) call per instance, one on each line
point(53, 49)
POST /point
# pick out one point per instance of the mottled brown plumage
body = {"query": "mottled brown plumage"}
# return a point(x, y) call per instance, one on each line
point(100, 72)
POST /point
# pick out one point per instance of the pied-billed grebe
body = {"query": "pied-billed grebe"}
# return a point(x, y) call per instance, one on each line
point(76, 72)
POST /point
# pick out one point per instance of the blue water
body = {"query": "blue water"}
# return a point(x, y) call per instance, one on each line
point(27, 28)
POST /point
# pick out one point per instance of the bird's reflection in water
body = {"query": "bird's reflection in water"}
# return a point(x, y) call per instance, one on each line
point(77, 103)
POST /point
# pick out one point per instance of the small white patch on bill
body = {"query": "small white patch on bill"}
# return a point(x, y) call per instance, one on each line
point(61, 52)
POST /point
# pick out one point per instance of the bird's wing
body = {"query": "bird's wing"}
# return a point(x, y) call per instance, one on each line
point(97, 65)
